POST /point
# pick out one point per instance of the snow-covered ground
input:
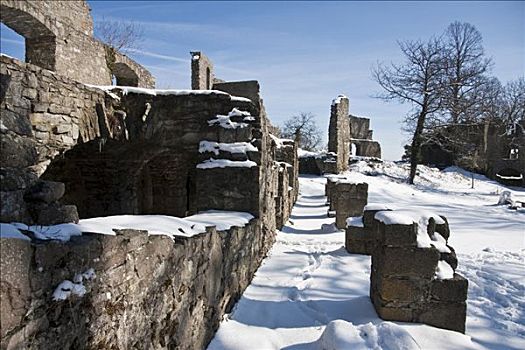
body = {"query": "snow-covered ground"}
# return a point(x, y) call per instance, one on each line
point(311, 294)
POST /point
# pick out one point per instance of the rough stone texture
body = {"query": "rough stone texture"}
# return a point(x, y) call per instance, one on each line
point(149, 291)
point(366, 148)
point(347, 199)
point(319, 164)
point(361, 138)
point(43, 116)
point(202, 76)
point(339, 132)
point(403, 286)
point(59, 37)
point(127, 153)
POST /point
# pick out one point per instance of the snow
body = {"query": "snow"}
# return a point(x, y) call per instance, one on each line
point(377, 206)
point(240, 99)
point(11, 231)
point(309, 293)
point(278, 141)
point(338, 99)
point(444, 271)
point(394, 218)
point(155, 225)
point(355, 221)
point(234, 147)
point(224, 121)
point(155, 92)
point(225, 163)
point(67, 288)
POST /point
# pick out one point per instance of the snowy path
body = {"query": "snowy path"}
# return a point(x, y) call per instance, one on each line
point(309, 286)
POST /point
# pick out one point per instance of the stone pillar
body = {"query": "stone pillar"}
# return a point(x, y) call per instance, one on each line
point(348, 199)
point(201, 71)
point(407, 282)
point(339, 132)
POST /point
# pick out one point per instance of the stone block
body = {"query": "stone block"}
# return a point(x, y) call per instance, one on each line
point(46, 191)
point(62, 128)
point(398, 235)
point(454, 289)
point(364, 247)
point(405, 262)
point(444, 315)
point(55, 214)
point(404, 290)
point(395, 313)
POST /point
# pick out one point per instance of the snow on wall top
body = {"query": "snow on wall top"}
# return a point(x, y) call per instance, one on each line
point(278, 141)
point(224, 121)
point(155, 225)
point(338, 99)
point(225, 163)
point(156, 92)
point(408, 217)
point(234, 147)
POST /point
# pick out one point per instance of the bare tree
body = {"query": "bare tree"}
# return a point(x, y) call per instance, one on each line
point(466, 66)
point(513, 102)
point(419, 82)
point(304, 130)
point(122, 36)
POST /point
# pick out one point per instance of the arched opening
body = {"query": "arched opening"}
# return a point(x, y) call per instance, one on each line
point(208, 78)
point(124, 75)
point(40, 41)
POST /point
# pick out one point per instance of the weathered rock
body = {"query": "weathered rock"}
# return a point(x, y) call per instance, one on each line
point(46, 191)
point(58, 214)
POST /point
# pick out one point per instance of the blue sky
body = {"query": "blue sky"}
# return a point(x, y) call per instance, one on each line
point(306, 53)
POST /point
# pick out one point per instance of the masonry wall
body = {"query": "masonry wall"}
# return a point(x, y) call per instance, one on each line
point(149, 291)
point(43, 115)
point(339, 132)
point(59, 37)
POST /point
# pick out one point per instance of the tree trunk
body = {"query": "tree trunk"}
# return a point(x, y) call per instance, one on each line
point(416, 145)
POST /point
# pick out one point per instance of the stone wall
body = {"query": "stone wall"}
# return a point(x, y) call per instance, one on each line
point(345, 198)
point(339, 132)
point(361, 138)
point(43, 116)
point(59, 37)
point(149, 291)
point(202, 75)
point(408, 282)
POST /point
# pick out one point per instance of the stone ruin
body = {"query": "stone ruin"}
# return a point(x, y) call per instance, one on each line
point(413, 275)
point(72, 151)
point(348, 136)
point(59, 37)
point(345, 198)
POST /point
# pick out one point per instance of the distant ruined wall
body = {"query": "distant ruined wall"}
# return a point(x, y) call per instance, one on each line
point(339, 132)
point(201, 71)
point(59, 37)
point(361, 138)
point(149, 291)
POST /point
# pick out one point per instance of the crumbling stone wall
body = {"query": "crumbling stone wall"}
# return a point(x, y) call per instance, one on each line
point(202, 75)
point(149, 291)
point(346, 198)
point(404, 282)
point(43, 116)
point(59, 37)
point(339, 132)
point(361, 138)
